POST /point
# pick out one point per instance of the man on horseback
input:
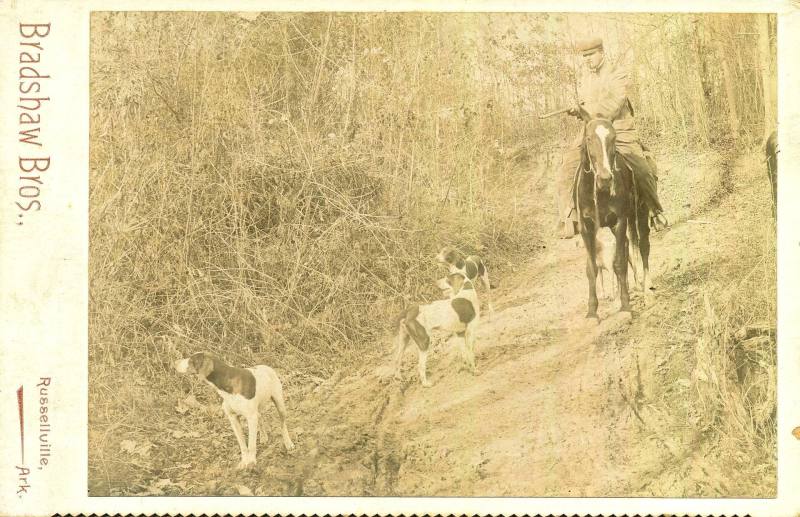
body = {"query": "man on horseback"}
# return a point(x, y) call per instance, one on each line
point(602, 92)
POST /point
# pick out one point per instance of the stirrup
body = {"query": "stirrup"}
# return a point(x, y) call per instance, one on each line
point(659, 222)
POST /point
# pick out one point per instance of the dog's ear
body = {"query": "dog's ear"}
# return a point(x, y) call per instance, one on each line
point(202, 364)
point(456, 281)
point(450, 255)
point(207, 367)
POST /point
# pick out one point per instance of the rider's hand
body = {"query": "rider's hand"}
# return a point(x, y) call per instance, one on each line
point(574, 112)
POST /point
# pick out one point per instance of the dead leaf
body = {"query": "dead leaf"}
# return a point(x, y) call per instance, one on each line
point(192, 402)
point(152, 491)
point(131, 447)
point(158, 487)
point(185, 434)
point(189, 402)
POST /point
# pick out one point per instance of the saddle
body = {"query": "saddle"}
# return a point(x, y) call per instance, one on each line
point(657, 221)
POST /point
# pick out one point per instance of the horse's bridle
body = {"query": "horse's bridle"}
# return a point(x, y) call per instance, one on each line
point(592, 169)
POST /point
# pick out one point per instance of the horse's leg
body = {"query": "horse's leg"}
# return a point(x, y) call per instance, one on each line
point(634, 257)
point(772, 180)
point(614, 280)
point(634, 253)
point(588, 234)
point(644, 250)
point(621, 262)
point(771, 149)
point(600, 265)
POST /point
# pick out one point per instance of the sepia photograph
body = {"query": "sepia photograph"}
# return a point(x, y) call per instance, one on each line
point(453, 254)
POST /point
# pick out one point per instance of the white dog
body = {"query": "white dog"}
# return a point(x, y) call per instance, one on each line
point(472, 267)
point(243, 392)
point(459, 315)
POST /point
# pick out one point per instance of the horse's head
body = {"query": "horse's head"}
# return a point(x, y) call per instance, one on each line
point(600, 142)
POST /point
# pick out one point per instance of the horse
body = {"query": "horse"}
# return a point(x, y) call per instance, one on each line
point(771, 150)
point(606, 196)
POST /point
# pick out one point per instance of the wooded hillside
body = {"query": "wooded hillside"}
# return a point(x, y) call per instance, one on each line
point(282, 181)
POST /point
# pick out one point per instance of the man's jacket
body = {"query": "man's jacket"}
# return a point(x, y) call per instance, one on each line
point(604, 93)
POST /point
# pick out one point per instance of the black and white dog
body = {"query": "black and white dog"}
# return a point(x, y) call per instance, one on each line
point(472, 267)
point(244, 391)
point(458, 315)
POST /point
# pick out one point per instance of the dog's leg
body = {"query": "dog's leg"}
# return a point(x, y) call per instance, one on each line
point(462, 350)
point(402, 342)
point(237, 430)
point(469, 342)
point(601, 275)
point(485, 281)
point(252, 438)
point(422, 365)
point(263, 431)
point(277, 398)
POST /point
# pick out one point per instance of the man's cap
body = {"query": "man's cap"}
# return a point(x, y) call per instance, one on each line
point(589, 45)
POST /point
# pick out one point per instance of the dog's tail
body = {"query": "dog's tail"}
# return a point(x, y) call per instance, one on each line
point(406, 322)
point(407, 314)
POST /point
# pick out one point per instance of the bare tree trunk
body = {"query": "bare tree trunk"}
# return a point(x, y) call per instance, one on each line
point(698, 96)
point(766, 63)
point(728, 77)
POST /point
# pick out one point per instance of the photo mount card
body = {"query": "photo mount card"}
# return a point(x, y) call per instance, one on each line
point(260, 257)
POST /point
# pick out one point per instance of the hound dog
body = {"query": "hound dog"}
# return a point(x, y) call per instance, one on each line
point(459, 315)
point(243, 392)
point(472, 267)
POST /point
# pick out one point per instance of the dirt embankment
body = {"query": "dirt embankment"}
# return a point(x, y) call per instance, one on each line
point(561, 406)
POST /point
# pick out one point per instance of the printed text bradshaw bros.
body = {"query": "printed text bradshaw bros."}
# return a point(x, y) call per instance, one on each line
point(33, 159)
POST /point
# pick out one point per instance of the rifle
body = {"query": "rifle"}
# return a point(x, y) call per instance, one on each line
point(554, 113)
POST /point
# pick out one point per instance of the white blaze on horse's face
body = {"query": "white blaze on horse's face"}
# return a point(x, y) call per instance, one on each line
point(602, 133)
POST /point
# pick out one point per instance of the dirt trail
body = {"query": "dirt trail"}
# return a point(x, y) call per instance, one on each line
point(561, 406)
point(545, 391)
